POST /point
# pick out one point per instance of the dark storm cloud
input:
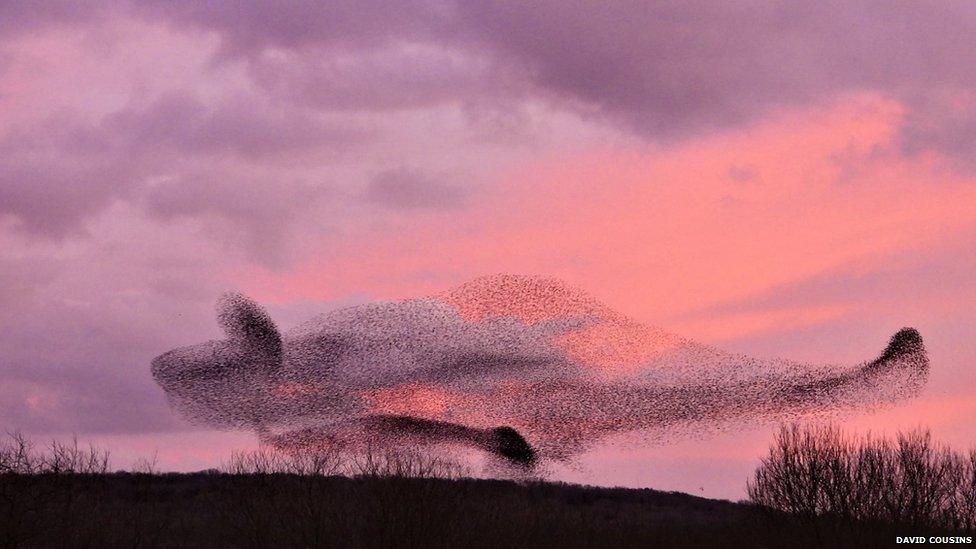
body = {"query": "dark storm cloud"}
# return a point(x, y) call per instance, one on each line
point(408, 189)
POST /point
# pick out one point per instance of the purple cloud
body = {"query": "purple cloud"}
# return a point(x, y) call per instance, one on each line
point(663, 70)
point(249, 28)
point(384, 79)
point(52, 196)
point(673, 68)
point(407, 189)
point(17, 18)
point(261, 211)
point(69, 365)
point(182, 123)
point(56, 175)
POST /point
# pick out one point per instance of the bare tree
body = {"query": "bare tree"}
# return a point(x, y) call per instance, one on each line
point(147, 465)
point(18, 455)
point(814, 472)
point(69, 458)
point(403, 463)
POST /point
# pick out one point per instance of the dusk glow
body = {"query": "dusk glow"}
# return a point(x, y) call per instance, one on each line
point(781, 182)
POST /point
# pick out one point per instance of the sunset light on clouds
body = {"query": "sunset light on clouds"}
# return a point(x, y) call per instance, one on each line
point(776, 180)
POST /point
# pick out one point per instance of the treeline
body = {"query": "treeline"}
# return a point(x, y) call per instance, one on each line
point(817, 487)
point(372, 498)
point(20, 456)
point(835, 482)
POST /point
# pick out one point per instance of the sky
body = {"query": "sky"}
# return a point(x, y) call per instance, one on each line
point(782, 179)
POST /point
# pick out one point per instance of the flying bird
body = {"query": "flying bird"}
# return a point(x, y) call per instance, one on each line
point(523, 368)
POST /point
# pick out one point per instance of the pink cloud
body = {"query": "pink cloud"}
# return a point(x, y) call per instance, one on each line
point(663, 233)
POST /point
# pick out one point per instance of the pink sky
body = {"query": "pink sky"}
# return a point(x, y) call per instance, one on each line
point(772, 181)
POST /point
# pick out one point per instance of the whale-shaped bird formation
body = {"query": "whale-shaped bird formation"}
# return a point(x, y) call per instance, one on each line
point(523, 368)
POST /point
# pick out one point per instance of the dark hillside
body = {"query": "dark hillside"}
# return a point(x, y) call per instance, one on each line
point(280, 510)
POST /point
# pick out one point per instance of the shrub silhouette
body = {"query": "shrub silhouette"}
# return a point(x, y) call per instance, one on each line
point(819, 472)
point(370, 497)
point(843, 491)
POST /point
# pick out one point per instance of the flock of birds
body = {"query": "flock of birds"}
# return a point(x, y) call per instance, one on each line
point(526, 369)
